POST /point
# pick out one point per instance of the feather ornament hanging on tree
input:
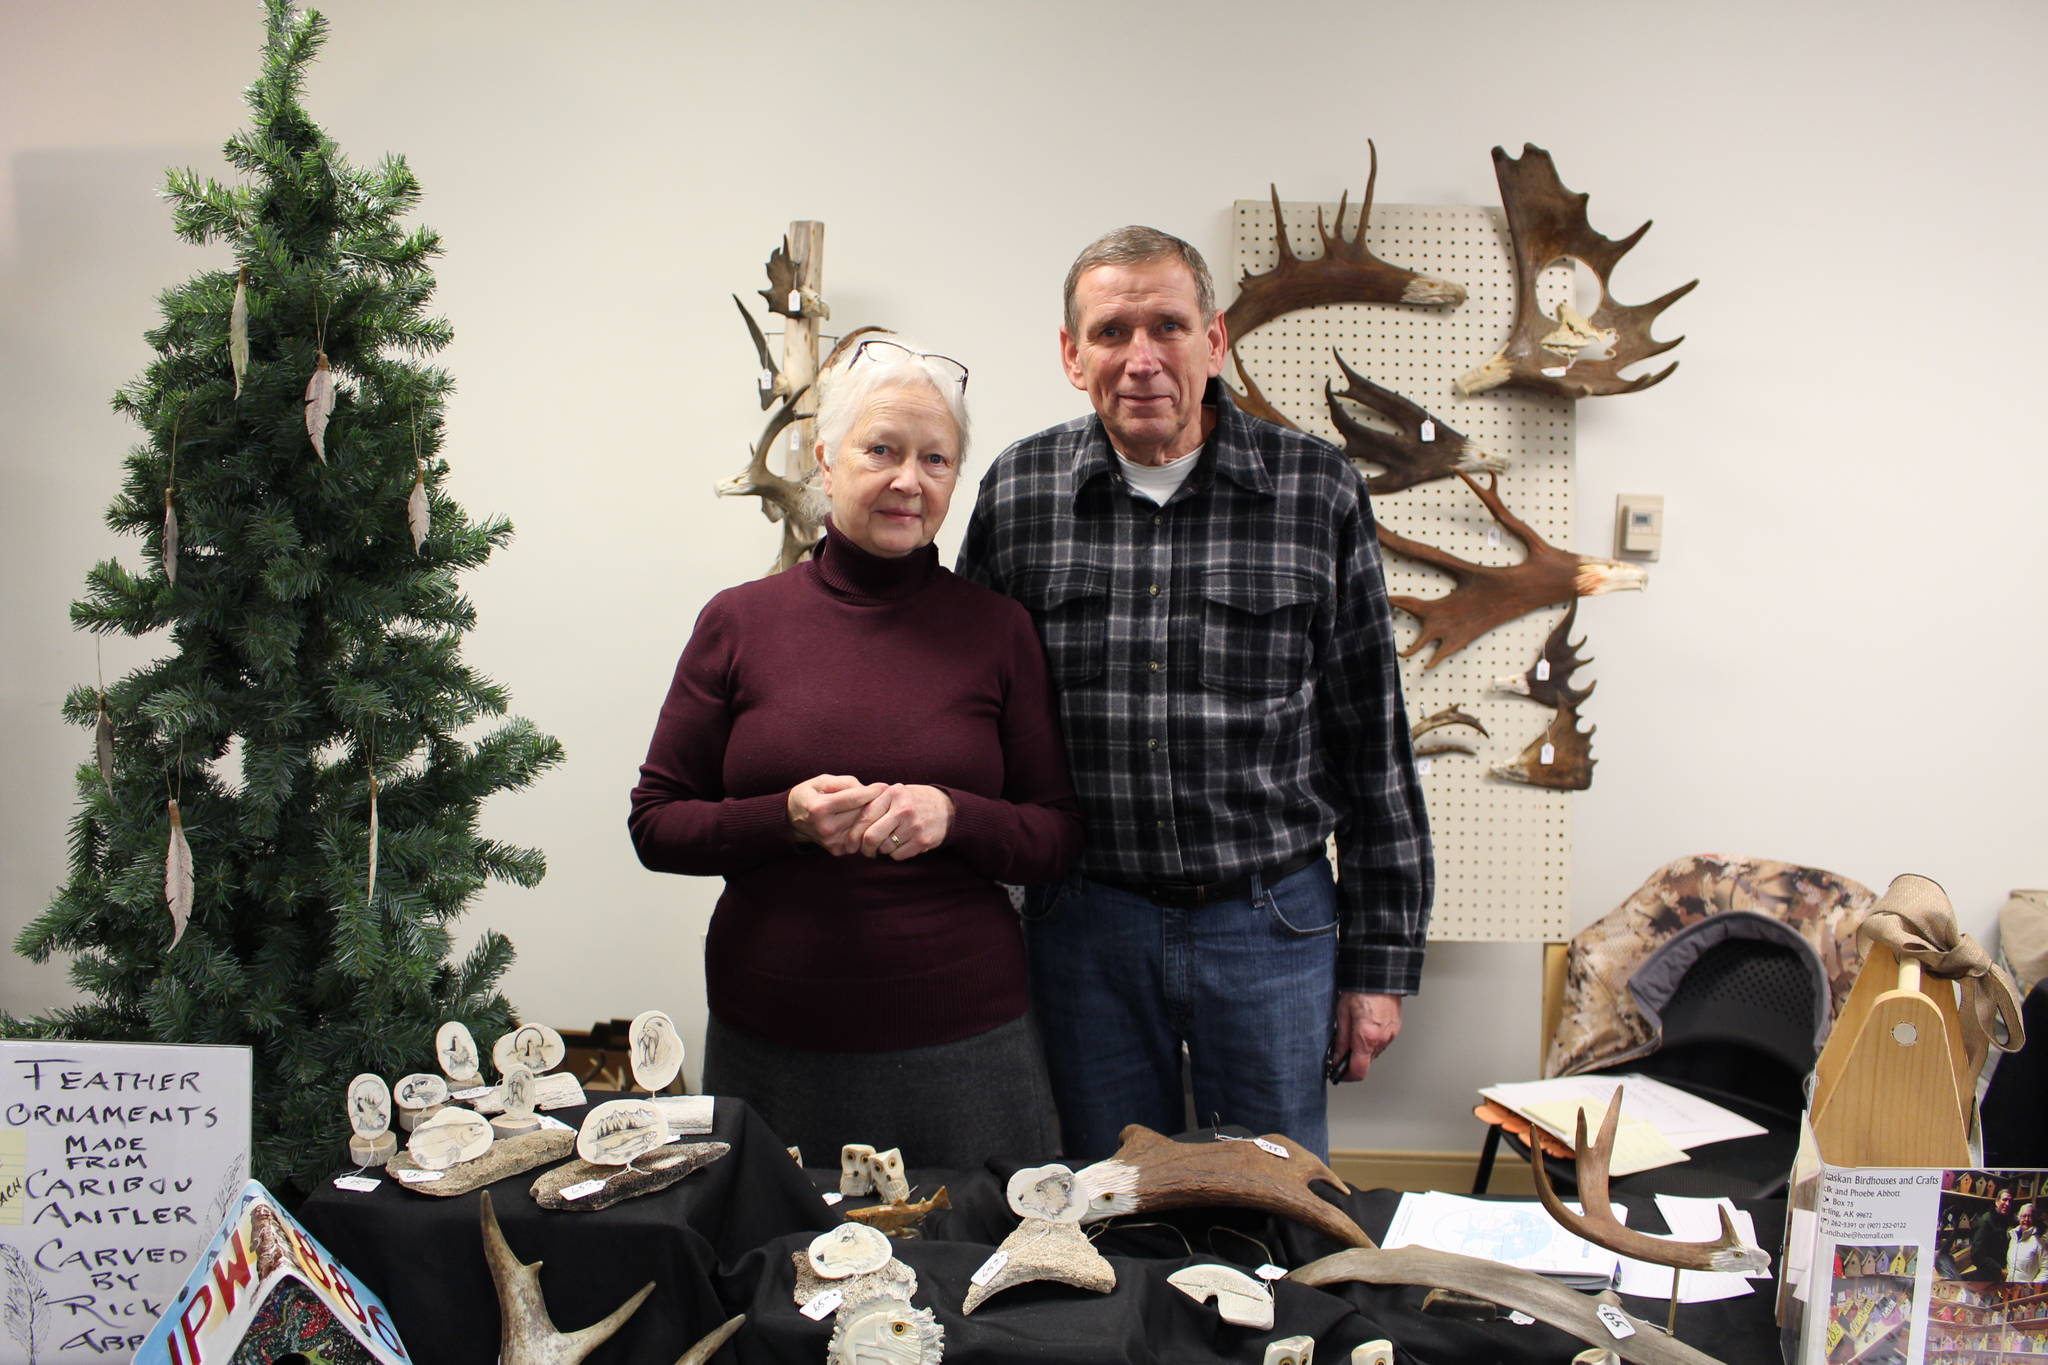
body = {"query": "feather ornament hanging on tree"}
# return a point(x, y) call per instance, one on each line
point(371, 894)
point(319, 405)
point(170, 540)
point(24, 1302)
point(238, 329)
point(178, 876)
point(103, 743)
point(416, 515)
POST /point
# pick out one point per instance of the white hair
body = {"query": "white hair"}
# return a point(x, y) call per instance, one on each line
point(844, 387)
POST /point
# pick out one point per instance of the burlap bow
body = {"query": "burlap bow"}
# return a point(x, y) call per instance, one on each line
point(1914, 919)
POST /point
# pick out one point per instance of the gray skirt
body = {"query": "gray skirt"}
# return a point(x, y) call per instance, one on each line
point(950, 1106)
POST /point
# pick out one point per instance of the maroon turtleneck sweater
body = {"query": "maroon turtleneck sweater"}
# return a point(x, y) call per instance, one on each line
point(886, 670)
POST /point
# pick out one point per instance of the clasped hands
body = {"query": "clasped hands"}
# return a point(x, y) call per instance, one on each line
point(844, 815)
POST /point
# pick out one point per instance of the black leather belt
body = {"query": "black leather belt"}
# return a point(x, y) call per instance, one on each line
point(1193, 895)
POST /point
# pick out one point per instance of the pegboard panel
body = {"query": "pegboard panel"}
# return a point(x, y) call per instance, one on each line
point(1503, 850)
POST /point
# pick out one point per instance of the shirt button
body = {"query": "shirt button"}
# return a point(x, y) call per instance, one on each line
point(1151, 743)
point(1154, 590)
point(1154, 665)
point(1159, 824)
point(1158, 520)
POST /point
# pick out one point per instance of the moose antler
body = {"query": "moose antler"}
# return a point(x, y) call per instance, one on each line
point(1548, 679)
point(1450, 715)
point(782, 277)
point(1489, 595)
point(1547, 223)
point(775, 386)
point(1559, 759)
point(1525, 1291)
point(1345, 273)
point(1150, 1171)
point(1425, 447)
point(1598, 1225)
point(527, 1335)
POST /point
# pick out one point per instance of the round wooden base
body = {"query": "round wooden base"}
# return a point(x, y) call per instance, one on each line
point(409, 1119)
point(505, 1125)
point(373, 1151)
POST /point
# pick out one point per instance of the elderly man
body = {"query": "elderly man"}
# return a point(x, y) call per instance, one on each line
point(1208, 587)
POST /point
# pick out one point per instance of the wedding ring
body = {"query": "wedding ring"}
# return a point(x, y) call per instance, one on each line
point(896, 839)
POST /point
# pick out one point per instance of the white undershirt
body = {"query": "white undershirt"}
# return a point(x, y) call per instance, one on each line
point(1159, 481)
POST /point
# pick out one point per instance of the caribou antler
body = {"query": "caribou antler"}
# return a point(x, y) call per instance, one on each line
point(1150, 1171)
point(1548, 223)
point(1450, 715)
point(776, 386)
point(1425, 447)
point(1598, 1225)
point(1489, 595)
point(1345, 273)
point(1547, 680)
point(527, 1335)
point(1510, 1287)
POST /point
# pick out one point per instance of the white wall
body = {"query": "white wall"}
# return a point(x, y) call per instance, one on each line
point(1840, 658)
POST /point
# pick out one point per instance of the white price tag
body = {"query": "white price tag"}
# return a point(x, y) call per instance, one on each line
point(475, 1092)
point(832, 1196)
point(795, 439)
point(1614, 1321)
point(1269, 1271)
point(1273, 1147)
point(1428, 431)
point(767, 379)
point(1519, 1318)
point(824, 1306)
point(550, 1121)
point(1543, 670)
point(420, 1177)
point(796, 305)
point(582, 1189)
point(1547, 755)
point(991, 1267)
point(360, 1184)
point(1425, 766)
point(1557, 371)
point(1493, 537)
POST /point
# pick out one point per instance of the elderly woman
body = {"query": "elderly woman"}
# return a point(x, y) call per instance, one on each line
point(864, 747)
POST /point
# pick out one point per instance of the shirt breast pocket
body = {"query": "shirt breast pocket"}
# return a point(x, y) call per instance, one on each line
point(1255, 631)
point(1071, 607)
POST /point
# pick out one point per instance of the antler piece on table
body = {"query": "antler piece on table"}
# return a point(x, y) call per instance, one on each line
point(1548, 679)
point(701, 1353)
point(1542, 1299)
point(1150, 1172)
point(1559, 759)
point(1728, 1253)
point(1489, 595)
point(1547, 223)
point(1346, 272)
point(1406, 457)
point(527, 1335)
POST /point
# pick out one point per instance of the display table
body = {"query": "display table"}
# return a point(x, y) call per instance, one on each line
point(719, 1242)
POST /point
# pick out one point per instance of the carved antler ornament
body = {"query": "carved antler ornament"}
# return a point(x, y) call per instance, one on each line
point(1561, 758)
point(782, 282)
point(1728, 1253)
point(1151, 1172)
point(1489, 595)
point(1346, 272)
point(1547, 223)
point(1547, 680)
point(1424, 447)
point(1523, 1290)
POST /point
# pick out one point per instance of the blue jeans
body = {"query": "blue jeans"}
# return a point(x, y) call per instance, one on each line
point(1120, 982)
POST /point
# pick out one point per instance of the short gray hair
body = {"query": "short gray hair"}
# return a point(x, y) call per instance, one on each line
point(1137, 245)
point(844, 387)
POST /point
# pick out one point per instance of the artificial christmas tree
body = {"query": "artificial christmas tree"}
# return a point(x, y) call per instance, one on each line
point(283, 819)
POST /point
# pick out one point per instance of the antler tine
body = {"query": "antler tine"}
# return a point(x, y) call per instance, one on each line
point(1372, 178)
point(1727, 1253)
point(527, 1335)
point(1280, 242)
point(701, 1353)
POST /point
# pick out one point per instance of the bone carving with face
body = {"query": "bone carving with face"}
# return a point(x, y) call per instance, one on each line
point(863, 1170)
point(420, 1091)
point(1047, 1192)
point(448, 1138)
point(657, 1050)
point(369, 1105)
point(1291, 1351)
point(455, 1050)
point(886, 1332)
point(848, 1250)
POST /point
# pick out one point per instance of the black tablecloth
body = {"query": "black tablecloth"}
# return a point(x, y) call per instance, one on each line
point(720, 1242)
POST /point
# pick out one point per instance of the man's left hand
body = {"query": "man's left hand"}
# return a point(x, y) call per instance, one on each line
point(1367, 1025)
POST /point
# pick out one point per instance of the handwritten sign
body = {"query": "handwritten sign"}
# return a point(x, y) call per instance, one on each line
point(118, 1162)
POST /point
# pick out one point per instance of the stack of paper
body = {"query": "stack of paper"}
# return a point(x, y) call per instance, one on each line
point(1517, 1234)
point(1659, 1122)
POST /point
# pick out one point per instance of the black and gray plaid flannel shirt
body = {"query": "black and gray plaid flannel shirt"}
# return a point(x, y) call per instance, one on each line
point(1226, 669)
